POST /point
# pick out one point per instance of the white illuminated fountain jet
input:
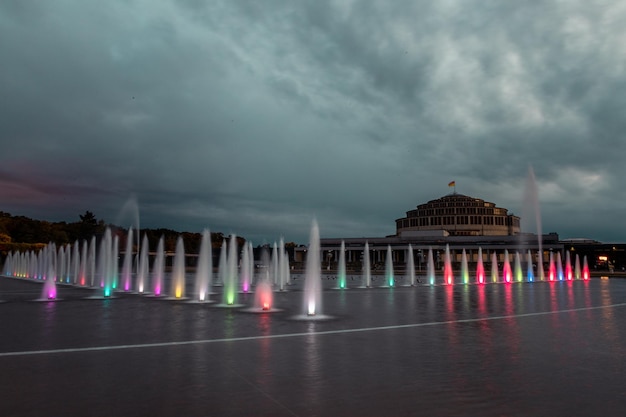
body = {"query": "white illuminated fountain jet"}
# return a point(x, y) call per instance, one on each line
point(204, 269)
point(312, 299)
point(367, 269)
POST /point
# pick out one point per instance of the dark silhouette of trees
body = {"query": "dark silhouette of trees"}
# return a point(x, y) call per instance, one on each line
point(22, 233)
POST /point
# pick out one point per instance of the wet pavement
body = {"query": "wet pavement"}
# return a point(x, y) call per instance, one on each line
point(522, 349)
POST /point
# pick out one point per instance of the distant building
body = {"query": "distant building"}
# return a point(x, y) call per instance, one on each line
point(456, 221)
point(458, 215)
point(465, 224)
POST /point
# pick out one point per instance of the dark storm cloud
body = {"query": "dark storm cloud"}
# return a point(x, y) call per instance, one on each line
point(254, 117)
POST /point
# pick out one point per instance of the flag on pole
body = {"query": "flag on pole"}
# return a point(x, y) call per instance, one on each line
point(452, 184)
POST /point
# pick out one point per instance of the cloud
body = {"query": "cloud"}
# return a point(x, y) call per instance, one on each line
point(254, 118)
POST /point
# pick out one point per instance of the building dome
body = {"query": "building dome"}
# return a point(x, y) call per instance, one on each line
point(458, 215)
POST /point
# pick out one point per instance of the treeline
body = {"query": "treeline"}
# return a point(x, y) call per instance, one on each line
point(20, 233)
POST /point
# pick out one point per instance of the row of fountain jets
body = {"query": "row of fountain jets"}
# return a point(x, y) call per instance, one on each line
point(96, 266)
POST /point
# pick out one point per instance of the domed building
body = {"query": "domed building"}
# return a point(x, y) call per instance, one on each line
point(454, 222)
point(458, 215)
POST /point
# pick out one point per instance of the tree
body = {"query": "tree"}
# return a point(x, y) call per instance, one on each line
point(89, 226)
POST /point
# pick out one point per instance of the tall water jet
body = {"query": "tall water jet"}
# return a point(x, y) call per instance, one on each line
point(577, 272)
point(274, 270)
point(91, 263)
point(506, 269)
point(230, 276)
point(204, 268)
point(530, 276)
point(410, 266)
point(367, 268)
point(76, 260)
point(127, 264)
point(559, 266)
point(105, 263)
point(263, 295)
point(264, 272)
point(480, 267)
point(552, 268)
point(282, 279)
point(431, 267)
point(517, 269)
point(250, 262)
point(158, 268)
point(341, 268)
point(464, 268)
point(586, 275)
point(531, 211)
point(60, 270)
point(178, 270)
point(568, 267)
point(284, 269)
point(389, 278)
point(448, 276)
point(494, 267)
point(143, 269)
point(245, 276)
point(49, 287)
point(115, 277)
point(82, 268)
point(312, 280)
point(222, 265)
point(68, 263)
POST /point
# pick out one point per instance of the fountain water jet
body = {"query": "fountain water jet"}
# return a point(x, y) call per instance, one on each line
point(127, 264)
point(411, 266)
point(313, 280)
point(506, 269)
point(230, 274)
point(531, 205)
point(389, 278)
point(158, 268)
point(494, 267)
point(245, 270)
point(480, 268)
point(49, 292)
point(586, 275)
point(367, 269)
point(552, 268)
point(568, 267)
point(530, 276)
point(341, 269)
point(577, 272)
point(448, 276)
point(178, 270)
point(263, 296)
point(204, 268)
point(431, 267)
point(142, 272)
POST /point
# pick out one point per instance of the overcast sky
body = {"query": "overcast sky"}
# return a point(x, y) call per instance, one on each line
point(254, 117)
